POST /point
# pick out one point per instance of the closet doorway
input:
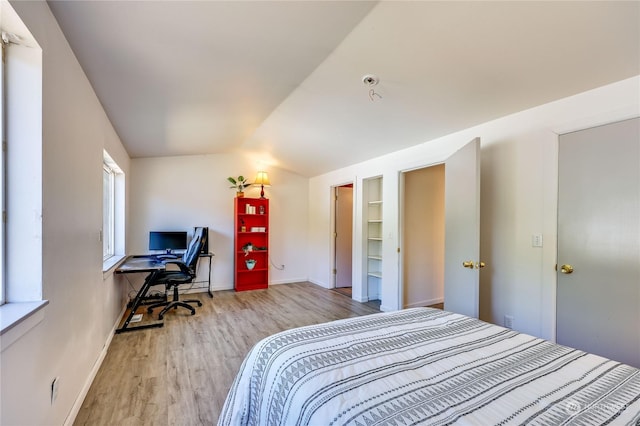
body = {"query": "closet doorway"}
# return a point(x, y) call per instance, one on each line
point(440, 233)
point(423, 237)
point(343, 236)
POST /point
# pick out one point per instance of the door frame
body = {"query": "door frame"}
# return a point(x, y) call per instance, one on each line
point(332, 226)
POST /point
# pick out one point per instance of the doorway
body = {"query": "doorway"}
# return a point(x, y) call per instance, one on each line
point(598, 290)
point(455, 185)
point(343, 238)
point(423, 237)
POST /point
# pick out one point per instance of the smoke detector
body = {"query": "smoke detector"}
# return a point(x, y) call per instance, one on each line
point(370, 80)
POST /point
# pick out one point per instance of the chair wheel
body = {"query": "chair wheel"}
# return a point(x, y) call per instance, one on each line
point(150, 310)
point(160, 317)
point(199, 303)
point(193, 312)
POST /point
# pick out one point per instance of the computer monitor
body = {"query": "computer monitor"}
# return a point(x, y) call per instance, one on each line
point(167, 240)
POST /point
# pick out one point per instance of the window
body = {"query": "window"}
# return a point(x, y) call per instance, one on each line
point(108, 214)
point(112, 212)
point(2, 178)
point(20, 177)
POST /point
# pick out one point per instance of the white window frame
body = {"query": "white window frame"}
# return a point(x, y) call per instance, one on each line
point(108, 211)
point(22, 216)
point(113, 229)
point(2, 178)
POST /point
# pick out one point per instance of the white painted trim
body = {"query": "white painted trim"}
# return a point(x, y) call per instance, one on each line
point(221, 287)
point(360, 299)
point(288, 281)
point(16, 319)
point(384, 308)
point(423, 303)
point(109, 266)
point(323, 285)
point(193, 290)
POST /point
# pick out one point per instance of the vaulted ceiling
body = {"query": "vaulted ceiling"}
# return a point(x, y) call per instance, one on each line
point(282, 80)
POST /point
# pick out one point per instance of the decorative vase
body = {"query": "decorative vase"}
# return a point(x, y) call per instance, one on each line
point(251, 263)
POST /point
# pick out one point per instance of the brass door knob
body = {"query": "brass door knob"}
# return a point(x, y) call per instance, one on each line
point(480, 265)
point(468, 264)
point(566, 269)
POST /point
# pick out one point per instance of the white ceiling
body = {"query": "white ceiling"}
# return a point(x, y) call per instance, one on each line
point(282, 80)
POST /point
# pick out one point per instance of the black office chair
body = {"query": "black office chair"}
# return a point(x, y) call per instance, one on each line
point(172, 279)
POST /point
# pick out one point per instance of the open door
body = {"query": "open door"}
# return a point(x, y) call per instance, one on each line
point(462, 230)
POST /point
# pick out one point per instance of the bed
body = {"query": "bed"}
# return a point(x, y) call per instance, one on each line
point(426, 366)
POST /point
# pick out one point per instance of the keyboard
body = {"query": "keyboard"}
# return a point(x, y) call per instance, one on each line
point(166, 256)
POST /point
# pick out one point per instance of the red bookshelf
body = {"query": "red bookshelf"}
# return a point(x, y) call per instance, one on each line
point(251, 221)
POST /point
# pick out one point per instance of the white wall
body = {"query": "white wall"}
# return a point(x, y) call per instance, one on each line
point(83, 305)
point(178, 193)
point(519, 198)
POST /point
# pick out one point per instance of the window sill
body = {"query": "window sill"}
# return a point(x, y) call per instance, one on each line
point(111, 262)
point(17, 318)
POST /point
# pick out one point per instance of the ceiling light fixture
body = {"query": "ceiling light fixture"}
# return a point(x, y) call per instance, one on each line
point(371, 80)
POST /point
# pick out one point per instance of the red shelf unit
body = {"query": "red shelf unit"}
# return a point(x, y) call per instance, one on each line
point(251, 221)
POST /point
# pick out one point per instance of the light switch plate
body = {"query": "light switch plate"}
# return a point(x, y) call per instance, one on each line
point(536, 240)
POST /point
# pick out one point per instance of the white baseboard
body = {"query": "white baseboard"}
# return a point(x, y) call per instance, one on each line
point(384, 308)
point(323, 285)
point(427, 302)
point(194, 290)
point(222, 287)
point(360, 299)
point(77, 405)
point(288, 281)
point(230, 286)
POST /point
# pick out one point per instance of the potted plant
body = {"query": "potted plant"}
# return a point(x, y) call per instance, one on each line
point(247, 248)
point(239, 184)
point(251, 263)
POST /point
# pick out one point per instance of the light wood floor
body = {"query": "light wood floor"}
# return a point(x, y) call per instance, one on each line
point(180, 374)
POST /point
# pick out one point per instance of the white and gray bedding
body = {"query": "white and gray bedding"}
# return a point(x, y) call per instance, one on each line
point(426, 366)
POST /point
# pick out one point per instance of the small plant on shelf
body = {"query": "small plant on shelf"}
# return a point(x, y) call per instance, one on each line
point(239, 184)
point(247, 248)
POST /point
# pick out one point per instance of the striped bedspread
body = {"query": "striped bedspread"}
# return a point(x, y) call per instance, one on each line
point(426, 366)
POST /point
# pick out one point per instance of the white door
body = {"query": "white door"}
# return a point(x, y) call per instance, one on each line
point(344, 235)
point(598, 294)
point(462, 230)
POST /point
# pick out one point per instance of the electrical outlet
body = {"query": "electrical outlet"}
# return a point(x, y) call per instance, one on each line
point(55, 384)
point(508, 321)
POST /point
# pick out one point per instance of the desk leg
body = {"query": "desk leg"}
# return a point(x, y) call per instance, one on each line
point(136, 304)
point(209, 280)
